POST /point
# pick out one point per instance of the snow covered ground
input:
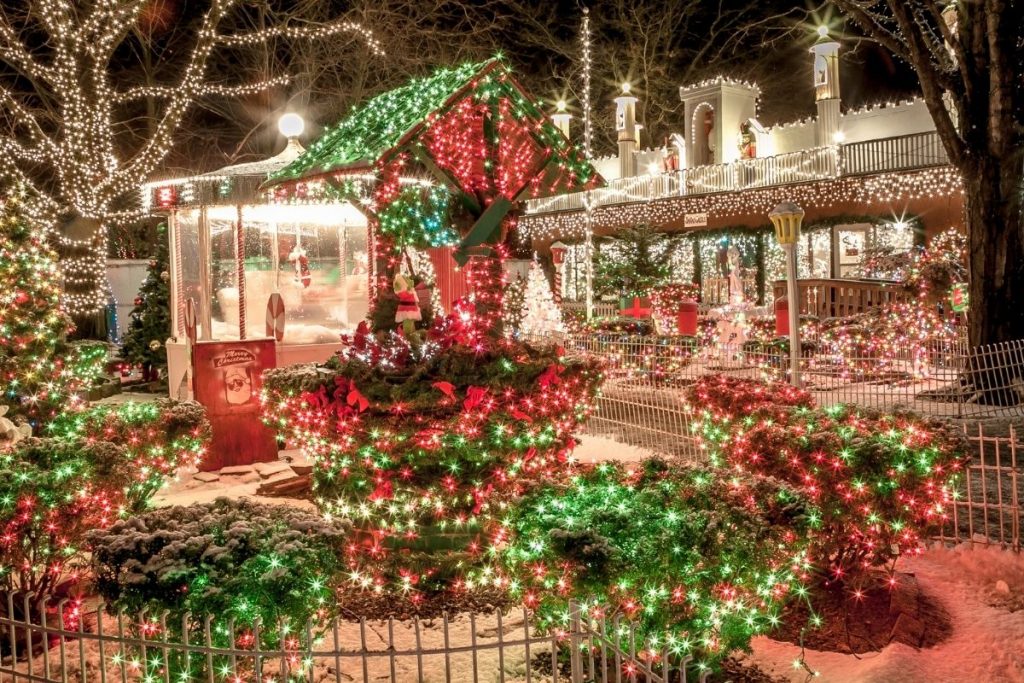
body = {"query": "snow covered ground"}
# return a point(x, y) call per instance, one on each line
point(987, 644)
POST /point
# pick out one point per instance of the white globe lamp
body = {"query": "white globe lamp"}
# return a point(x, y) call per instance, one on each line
point(291, 125)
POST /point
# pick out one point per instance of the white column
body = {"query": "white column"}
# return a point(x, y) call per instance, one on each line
point(625, 124)
point(826, 87)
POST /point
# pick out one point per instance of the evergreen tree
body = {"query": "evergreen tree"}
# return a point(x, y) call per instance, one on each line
point(540, 314)
point(513, 306)
point(36, 380)
point(143, 343)
point(633, 263)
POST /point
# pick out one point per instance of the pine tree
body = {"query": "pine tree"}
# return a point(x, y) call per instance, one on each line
point(35, 380)
point(143, 344)
point(634, 262)
point(513, 306)
point(540, 314)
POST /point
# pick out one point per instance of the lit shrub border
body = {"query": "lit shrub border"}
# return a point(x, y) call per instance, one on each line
point(695, 563)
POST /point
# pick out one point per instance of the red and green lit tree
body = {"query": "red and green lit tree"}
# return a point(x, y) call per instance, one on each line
point(35, 378)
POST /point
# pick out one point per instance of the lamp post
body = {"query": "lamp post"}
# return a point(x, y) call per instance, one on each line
point(787, 218)
point(558, 258)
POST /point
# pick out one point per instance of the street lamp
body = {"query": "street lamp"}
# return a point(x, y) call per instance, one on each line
point(787, 217)
point(291, 125)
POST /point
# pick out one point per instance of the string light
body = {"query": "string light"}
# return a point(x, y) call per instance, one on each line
point(90, 174)
point(887, 188)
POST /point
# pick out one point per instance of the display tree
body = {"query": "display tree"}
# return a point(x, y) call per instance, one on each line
point(150, 326)
point(423, 440)
point(540, 316)
point(35, 376)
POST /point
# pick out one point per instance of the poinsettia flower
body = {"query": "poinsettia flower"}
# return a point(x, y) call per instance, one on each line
point(355, 398)
point(446, 388)
point(474, 397)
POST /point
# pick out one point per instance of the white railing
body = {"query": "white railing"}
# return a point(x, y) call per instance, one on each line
point(46, 640)
point(920, 150)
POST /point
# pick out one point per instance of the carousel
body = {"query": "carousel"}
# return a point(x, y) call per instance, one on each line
point(245, 266)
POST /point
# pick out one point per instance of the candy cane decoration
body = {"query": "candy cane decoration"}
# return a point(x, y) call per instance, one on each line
point(240, 261)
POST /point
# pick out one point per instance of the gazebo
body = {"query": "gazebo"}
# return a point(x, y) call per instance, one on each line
point(442, 162)
point(232, 247)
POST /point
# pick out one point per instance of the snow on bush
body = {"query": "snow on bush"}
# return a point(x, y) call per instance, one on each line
point(240, 561)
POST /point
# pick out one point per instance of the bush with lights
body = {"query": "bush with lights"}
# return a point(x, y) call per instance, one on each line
point(51, 493)
point(97, 466)
point(419, 444)
point(157, 439)
point(879, 481)
point(257, 566)
point(697, 563)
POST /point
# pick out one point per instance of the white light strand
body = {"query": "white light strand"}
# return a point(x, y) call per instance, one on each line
point(588, 151)
point(89, 176)
point(880, 189)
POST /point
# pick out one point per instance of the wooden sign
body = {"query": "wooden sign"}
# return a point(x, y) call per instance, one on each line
point(275, 317)
point(695, 220)
point(228, 377)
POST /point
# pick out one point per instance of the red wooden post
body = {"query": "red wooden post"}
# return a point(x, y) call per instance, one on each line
point(686, 320)
point(558, 258)
point(782, 317)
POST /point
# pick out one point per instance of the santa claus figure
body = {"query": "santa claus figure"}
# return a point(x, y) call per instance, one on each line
point(301, 261)
point(408, 312)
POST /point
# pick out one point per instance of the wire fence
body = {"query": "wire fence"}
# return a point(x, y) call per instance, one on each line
point(941, 378)
point(59, 641)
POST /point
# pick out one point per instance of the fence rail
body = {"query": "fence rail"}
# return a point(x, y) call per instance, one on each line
point(918, 150)
point(836, 298)
point(45, 640)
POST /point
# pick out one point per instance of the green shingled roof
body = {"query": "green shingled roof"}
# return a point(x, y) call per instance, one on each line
point(375, 127)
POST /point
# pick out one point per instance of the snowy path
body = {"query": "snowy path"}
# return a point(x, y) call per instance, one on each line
point(987, 645)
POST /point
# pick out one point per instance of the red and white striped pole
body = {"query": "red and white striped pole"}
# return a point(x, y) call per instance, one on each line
point(558, 258)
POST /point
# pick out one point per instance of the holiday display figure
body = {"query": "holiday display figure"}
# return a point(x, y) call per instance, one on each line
point(540, 314)
point(408, 312)
point(36, 379)
point(301, 262)
point(143, 343)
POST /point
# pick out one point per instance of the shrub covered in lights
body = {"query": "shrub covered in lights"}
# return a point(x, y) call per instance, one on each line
point(52, 492)
point(158, 438)
point(879, 481)
point(699, 564)
point(420, 444)
point(238, 560)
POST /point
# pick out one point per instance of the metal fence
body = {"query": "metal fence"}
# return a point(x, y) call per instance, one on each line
point(987, 509)
point(48, 641)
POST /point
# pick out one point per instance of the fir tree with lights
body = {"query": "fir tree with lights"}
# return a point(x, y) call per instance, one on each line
point(540, 314)
point(35, 380)
point(151, 318)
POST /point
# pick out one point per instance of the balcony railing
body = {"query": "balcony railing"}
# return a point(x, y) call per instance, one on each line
point(920, 150)
point(826, 298)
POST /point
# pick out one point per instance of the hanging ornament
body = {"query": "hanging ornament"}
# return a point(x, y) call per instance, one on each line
point(165, 276)
point(138, 301)
point(21, 297)
point(301, 261)
point(154, 345)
